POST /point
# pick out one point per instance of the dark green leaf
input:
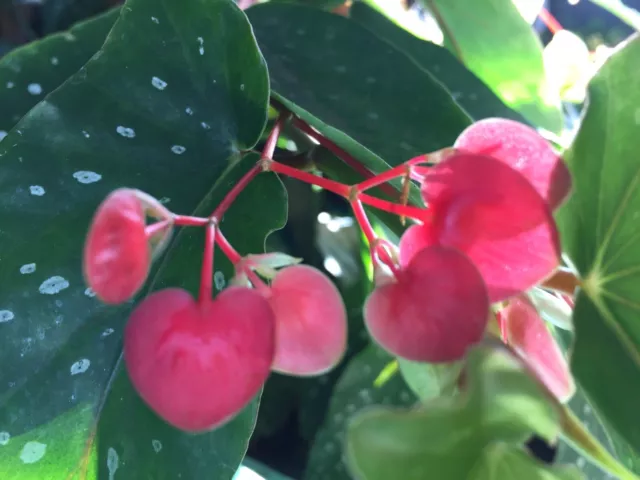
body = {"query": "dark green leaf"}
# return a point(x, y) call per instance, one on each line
point(167, 112)
point(358, 90)
point(181, 267)
point(29, 73)
point(353, 392)
point(454, 437)
point(59, 15)
point(346, 245)
point(599, 231)
point(493, 40)
point(467, 89)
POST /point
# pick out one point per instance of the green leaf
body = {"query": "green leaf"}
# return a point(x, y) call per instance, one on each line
point(455, 436)
point(59, 15)
point(181, 268)
point(353, 392)
point(468, 90)
point(599, 231)
point(430, 380)
point(493, 40)
point(29, 73)
point(66, 406)
point(355, 88)
point(581, 408)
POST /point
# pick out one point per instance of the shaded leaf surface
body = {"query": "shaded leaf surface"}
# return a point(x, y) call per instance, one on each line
point(28, 74)
point(493, 40)
point(170, 124)
point(355, 88)
point(354, 391)
point(599, 231)
point(477, 100)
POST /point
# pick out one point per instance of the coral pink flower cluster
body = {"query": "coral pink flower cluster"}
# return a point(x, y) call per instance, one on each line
point(485, 234)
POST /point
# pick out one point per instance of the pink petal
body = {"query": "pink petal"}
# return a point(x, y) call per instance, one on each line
point(523, 149)
point(494, 215)
point(435, 311)
point(529, 336)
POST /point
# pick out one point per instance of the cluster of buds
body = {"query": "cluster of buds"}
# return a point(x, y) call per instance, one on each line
point(484, 236)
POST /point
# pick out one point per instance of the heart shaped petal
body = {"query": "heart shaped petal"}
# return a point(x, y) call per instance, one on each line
point(434, 312)
point(494, 215)
point(523, 149)
point(116, 254)
point(529, 336)
point(311, 321)
point(197, 365)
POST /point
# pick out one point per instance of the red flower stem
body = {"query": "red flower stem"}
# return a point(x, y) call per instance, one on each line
point(336, 150)
point(409, 211)
point(331, 185)
point(346, 157)
point(363, 221)
point(375, 244)
point(154, 228)
point(257, 283)
point(398, 171)
point(272, 140)
point(187, 221)
point(345, 191)
point(206, 277)
point(384, 177)
point(226, 202)
point(267, 152)
point(550, 21)
point(230, 252)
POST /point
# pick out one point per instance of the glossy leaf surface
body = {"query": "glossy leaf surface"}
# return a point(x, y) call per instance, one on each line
point(513, 68)
point(170, 125)
point(599, 231)
point(318, 69)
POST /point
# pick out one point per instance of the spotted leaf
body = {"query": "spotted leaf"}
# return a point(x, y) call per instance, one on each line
point(167, 112)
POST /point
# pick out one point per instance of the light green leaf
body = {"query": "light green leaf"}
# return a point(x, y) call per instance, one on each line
point(599, 231)
point(453, 437)
point(428, 380)
point(493, 40)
